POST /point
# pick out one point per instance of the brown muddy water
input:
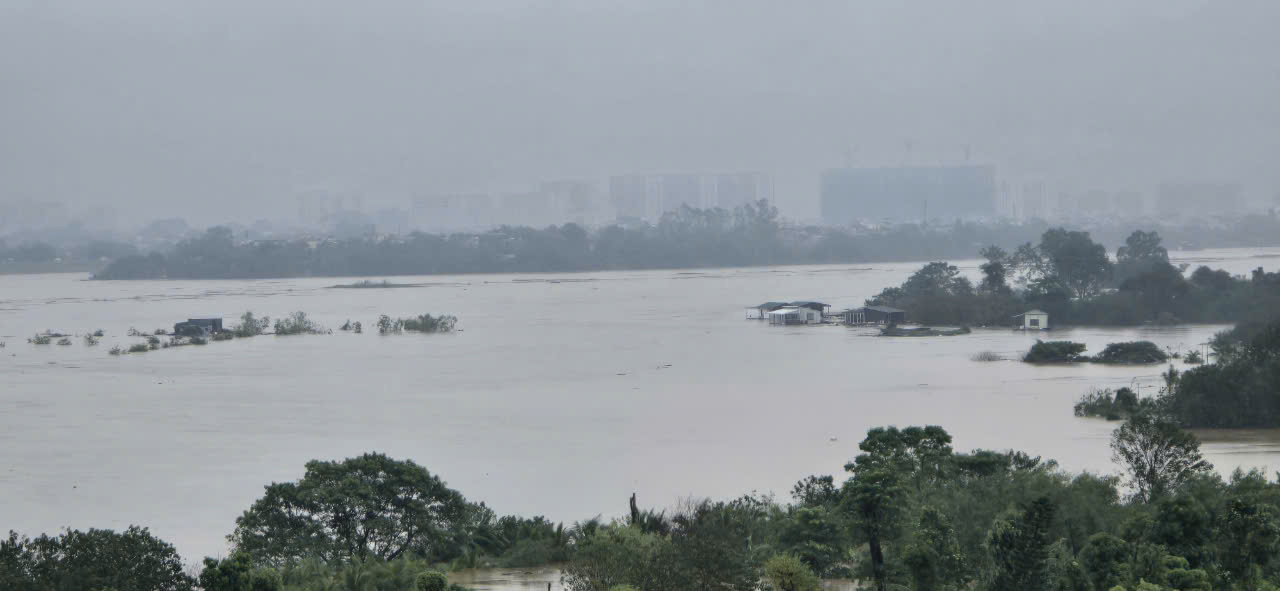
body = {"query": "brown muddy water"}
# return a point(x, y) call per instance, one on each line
point(561, 395)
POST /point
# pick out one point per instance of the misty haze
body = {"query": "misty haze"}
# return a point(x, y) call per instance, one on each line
point(639, 296)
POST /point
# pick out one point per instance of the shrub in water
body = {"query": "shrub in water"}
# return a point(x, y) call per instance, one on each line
point(429, 323)
point(297, 323)
point(64, 341)
point(199, 341)
point(139, 348)
point(1055, 352)
point(1111, 406)
point(1132, 352)
point(251, 326)
point(40, 339)
point(116, 350)
point(91, 339)
point(987, 356)
point(387, 326)
point(1193, 358)
point(223, 336)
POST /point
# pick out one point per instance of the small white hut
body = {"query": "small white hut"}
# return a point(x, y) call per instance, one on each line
point(1032, 320)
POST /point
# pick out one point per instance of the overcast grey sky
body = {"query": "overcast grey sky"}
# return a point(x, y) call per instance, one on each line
point(226, 108)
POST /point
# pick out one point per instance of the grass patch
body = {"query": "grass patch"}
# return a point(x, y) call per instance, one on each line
point(987, 356)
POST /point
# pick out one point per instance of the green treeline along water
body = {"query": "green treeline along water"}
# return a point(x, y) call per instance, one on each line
point(1071, 277)
point(910, 513)
point(749, 235)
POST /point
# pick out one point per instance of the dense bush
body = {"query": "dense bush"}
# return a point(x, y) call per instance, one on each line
point(1055, 352)
point(1106, 404)
point(1136, 352)
point(429, 323)
point(1240, 389)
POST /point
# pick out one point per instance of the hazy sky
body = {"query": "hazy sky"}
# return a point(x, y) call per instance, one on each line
point(228, 108)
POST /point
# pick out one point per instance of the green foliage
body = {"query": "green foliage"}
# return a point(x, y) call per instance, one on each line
point(786, 572)
point(294, 520)
point(250, 325)
point(132, 560)
point(388, 326)
point(297, 323)
point(237, 573)
point(1055, 352)
point(1240, 389)
point(41, 339)
point(1103, 403)
point(816, 535)
point(933, 557)
point(1105, 559)
point(1157, 455)
point(139, 348)
point(622, 555)
point(429, 323)
point(1019, 547)
point(1136, 352)
point(431, 581)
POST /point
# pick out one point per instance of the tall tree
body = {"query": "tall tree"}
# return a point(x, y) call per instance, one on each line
point(360, 508)
point(1019, 548)
point(995, 272)
point(1074, 261)
point(1157, 454)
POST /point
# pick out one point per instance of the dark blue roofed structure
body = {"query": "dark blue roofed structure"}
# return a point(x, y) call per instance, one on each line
point(198, 327)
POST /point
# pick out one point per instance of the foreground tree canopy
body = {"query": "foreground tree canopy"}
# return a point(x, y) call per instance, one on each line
point(370, 507)
point(911, 514)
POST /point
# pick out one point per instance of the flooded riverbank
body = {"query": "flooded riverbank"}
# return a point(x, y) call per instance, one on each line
point(561, 395)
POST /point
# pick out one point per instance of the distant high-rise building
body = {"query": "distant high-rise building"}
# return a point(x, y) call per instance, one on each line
point(577, 201)
point(907, 193)
point(648, 196)
point(1197, 198)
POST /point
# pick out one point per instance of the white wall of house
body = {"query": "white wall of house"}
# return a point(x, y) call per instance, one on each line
point(1035, 321)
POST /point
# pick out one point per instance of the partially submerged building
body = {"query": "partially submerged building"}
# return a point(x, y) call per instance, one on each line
point(873, 315)
point(198, 327)
point(764, 310)
point(791, 314)
point(1031, 320)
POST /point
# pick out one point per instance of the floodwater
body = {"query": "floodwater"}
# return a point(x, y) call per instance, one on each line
point(561, 395)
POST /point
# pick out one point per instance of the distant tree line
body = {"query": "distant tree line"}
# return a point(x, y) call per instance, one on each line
point(752, 234)
point(34, 252)
point(1070, 276)
point(909, 514)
